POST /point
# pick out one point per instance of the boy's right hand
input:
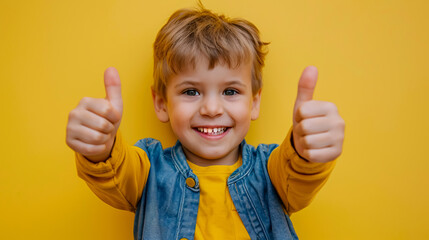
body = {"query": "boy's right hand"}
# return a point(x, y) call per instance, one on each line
point(92, 125)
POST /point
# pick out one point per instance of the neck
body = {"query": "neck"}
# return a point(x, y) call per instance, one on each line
point(229, 159)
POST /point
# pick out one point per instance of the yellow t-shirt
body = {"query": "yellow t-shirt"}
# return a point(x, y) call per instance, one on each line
point(217, 217)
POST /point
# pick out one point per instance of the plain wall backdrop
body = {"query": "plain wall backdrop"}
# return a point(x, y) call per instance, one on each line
point(372, 58)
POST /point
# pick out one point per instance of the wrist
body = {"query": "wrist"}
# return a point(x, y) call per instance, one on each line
point(292, 143)
point(98, 158)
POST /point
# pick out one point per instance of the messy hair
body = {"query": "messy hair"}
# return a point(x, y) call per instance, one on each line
point(192, 34)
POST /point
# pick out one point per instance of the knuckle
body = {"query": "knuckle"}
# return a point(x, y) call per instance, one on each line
point(338, 153)
point(307, 104)
point(69, 142)
point(315, 157)
point(342, 123)
point(297, 129)
point(69, 130)
point(84, 101)
point(334, 137)
point(339, 128)
point(340, 137)
point(302, 110)
point(297, 116)
point(105, 125)
point(337, 123)
point(74, 146)
point(332, 107)
point(98, 137)
point(305, 141)
point(90, 150)
point(304, 126)
point(87, 150)
point(334, 155)
point(73, 114)
point(106, 109)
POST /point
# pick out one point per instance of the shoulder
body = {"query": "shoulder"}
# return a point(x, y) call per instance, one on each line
point(259, 149)
point(148, 143)
point(260, 152)
point(152, 147)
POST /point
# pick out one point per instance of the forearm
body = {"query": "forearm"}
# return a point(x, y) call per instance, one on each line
point(118, 181)
point(296, 180)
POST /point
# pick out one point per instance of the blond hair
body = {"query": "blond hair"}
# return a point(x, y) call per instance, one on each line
point(191, 34)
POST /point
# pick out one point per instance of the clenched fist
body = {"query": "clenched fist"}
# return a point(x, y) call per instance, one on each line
point(318, 129)
point(92, 125)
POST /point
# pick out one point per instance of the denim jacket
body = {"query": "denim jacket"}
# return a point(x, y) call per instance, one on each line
point(169, 203)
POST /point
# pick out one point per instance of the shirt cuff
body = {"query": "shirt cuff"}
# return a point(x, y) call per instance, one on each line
point(105, 167)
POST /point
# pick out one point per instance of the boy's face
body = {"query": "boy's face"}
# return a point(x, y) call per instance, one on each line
point(210, 111)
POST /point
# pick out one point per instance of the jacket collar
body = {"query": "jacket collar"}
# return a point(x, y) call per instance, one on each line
point(179, 161)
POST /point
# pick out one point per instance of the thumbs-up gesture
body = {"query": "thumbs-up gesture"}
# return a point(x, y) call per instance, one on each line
point(92, 125)
point(318, 129)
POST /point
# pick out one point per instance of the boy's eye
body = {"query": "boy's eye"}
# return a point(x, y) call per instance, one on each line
point(191, 92)
point(230, 92)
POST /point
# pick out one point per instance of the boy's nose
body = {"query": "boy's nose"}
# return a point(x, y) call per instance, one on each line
point(212, 106)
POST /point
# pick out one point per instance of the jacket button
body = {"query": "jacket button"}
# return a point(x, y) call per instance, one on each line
point(191, 183)
point(183, 239)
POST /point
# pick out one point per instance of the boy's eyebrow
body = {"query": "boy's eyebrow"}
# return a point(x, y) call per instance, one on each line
point(236, 82)
point(193, 83)
point(187, 82)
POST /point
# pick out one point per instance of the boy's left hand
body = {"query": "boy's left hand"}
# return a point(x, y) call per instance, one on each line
point(318, 129)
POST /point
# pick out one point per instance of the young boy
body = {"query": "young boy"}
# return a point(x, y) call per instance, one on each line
point(211, 184)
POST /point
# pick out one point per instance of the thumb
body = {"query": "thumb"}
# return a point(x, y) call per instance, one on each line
point(306, 85)
point(112, 84)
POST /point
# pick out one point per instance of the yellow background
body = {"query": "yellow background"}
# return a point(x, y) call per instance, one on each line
point(373, 62)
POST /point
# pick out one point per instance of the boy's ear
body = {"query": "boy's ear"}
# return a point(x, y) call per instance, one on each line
point(255, 105)
point(160, 106)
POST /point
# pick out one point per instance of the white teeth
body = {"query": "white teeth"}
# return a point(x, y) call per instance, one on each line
point(212, 131)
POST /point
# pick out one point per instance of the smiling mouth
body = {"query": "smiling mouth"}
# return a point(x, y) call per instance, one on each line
point(212, 131)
